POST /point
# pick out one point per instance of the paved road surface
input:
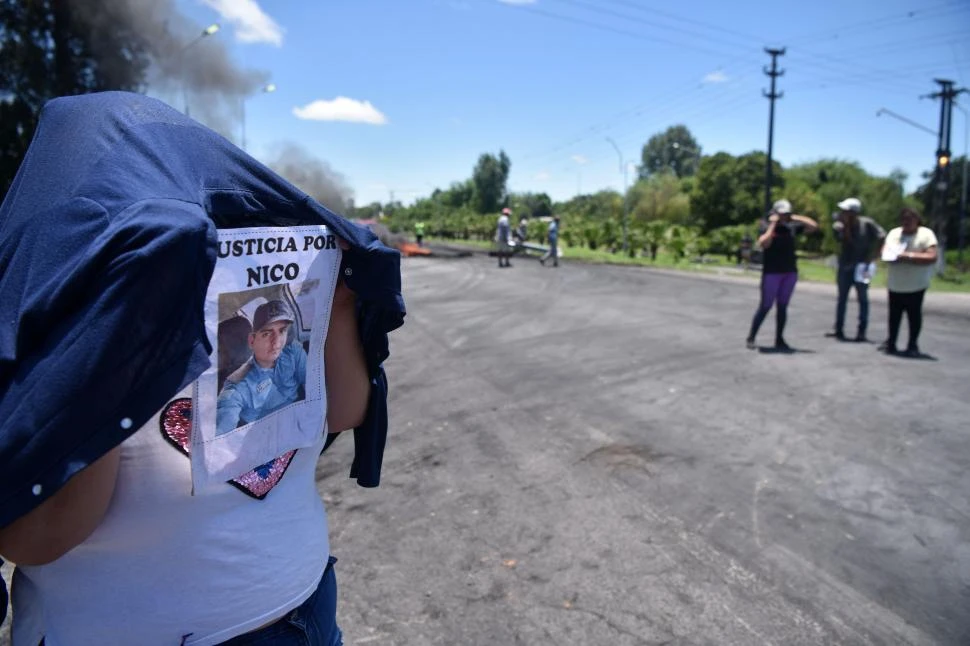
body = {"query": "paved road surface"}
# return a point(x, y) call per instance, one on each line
point(589, 455)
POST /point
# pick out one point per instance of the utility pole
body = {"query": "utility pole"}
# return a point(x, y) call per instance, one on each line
point(774, 73)
point(963, 191)
point(941, 171)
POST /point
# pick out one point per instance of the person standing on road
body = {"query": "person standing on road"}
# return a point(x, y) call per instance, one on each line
point(502, 232)
point(913, 249)
point(98, 513)
point(860, 238)
point(553, 237)
point(779, 269)
point(419, 232)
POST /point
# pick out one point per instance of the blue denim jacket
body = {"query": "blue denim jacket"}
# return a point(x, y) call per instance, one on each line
point(107, 245)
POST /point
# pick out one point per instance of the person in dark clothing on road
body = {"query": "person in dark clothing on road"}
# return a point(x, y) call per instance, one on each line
point(860, 239)
point(779, 269)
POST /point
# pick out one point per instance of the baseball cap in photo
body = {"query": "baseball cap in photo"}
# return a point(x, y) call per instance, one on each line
point(271, 312)
point(853, 204)
point(781, 207)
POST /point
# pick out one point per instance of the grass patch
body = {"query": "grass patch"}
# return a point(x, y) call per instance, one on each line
point(810, 269)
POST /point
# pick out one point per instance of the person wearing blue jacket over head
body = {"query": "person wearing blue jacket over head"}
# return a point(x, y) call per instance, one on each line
point(107, 245)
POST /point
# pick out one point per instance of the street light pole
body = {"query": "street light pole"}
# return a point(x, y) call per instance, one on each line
point(623, 170)
point(208, 31)
point(966, 152)
point(882, 111)
point(266, 89)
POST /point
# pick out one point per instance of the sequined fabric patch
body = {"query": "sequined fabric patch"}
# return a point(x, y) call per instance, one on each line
point(176, 427)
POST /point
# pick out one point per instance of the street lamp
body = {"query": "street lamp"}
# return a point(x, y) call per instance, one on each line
point(208, 31)
point(266, 89)
point(622, 170)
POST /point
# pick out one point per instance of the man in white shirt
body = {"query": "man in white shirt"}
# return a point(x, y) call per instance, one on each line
point(502, 232)
point(910, 250)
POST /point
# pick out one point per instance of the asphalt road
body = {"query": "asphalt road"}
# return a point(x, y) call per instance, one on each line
point(590, 455)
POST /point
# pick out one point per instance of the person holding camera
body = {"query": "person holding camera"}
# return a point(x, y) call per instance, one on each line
point(779, 269)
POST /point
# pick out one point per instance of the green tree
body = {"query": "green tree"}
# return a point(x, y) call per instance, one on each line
point(659, 198)
point(458, 195)
point(368, 212)
point(833, 180)
point(55, 48)
point(949, 217)
point(713, 199)
point(674, 150)
point(654, 234)
point(749, 196)
point(489, 180)
point(531, 205)
point(730, 190)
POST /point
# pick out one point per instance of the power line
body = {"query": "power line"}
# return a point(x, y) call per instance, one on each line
point(886, 21)
point(599, 9)
point(673, 16)
point(622, 32)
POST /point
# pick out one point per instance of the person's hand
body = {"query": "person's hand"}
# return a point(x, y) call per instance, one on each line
point(773, 218)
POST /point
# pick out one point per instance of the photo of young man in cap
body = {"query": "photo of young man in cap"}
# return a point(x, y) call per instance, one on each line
point(273, 377)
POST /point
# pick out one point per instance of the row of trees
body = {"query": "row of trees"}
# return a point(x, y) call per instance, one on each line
point(683, 200)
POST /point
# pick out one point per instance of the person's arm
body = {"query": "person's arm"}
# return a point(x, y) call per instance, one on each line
point(810, 225)
point(765, 239)
point(66, 519)
point(879, 235)
point(348, 386)
point(927, 257)
point(229, 407)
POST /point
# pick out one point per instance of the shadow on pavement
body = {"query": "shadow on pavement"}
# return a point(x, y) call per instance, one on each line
point(770, 349)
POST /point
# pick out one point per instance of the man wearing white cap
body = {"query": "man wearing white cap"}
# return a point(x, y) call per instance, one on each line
point(860, 239)
point(503, 230)
point(272, 378)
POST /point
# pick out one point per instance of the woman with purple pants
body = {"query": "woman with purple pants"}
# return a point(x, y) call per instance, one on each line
point(779, 269)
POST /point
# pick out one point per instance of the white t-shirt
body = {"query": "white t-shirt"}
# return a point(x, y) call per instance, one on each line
point(165, 565)
point(502, 230)
point(906, 277)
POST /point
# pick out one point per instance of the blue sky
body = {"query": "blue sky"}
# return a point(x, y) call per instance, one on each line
point(402, 96)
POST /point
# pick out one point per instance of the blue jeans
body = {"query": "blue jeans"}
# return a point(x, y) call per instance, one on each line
point(846, 279)
point(314, 623)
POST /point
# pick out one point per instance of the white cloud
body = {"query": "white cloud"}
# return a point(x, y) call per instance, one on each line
point(518, 1)
point(542, 176)
point(341, 109)
point(579, 159)
point(252, 25)
point(716, 76)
